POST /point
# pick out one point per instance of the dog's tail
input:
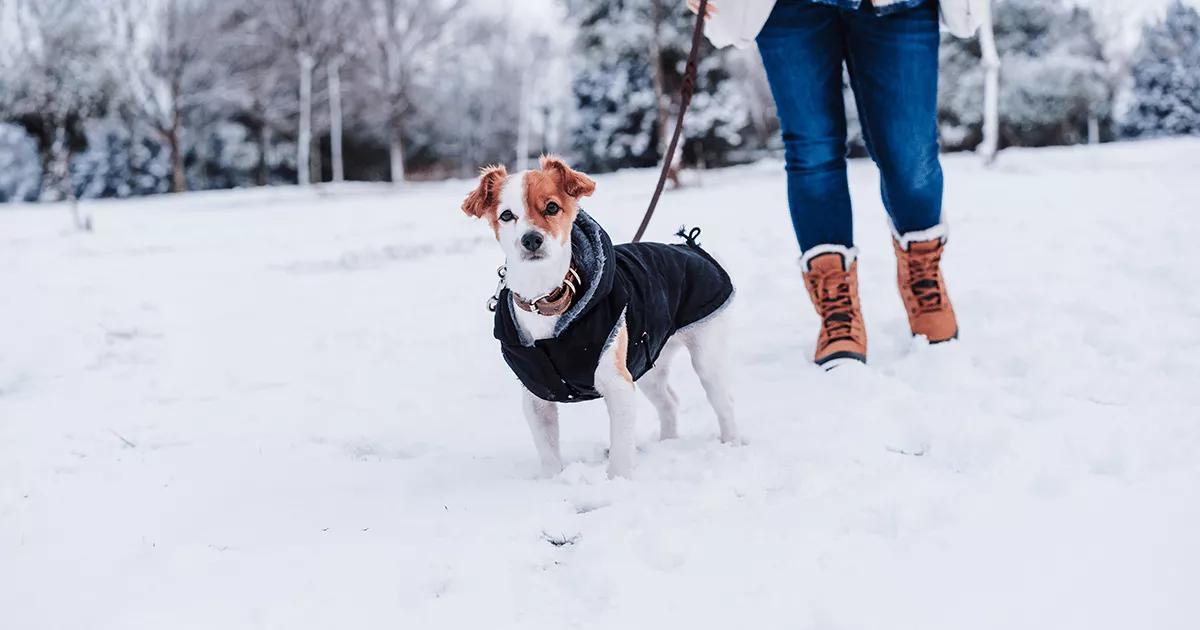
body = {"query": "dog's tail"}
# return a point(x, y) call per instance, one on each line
point(689, 236)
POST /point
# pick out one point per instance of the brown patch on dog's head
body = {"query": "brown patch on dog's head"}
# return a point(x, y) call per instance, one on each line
point(573, 183)
point(485, 199)
point(557, 184)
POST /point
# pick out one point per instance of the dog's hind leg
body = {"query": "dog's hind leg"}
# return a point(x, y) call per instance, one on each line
point(657, 387)
point(708, 344)
point(543, 424)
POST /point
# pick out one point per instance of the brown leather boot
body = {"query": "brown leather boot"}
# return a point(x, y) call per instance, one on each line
point(831, 275)
point(919, 274)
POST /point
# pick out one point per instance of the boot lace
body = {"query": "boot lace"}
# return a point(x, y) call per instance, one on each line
point(835, 303)
point(924, 280)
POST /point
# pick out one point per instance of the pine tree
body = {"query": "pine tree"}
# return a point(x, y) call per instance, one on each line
point(18, 165)
point(1166, 77)
point(618, 122)
point(614, 88)
point(53, 85)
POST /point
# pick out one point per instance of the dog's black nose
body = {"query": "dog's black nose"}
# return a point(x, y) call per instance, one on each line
point(532, 241)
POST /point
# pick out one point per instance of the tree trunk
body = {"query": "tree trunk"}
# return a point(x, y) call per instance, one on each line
point(48, 186)
point(263, 175)
point(304, 141)
point(662, 102)
point(991, 90)
point(61, 166)
point(335, 120)
point(662, 105)
point(130, 151)
point(317, 168)
point(58, 172)
point(178, 176)
point(393, 91)
point(396, 152)
point(547, 146)
point(524, 124)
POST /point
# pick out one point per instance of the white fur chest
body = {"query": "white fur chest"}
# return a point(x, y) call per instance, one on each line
point(534, 326)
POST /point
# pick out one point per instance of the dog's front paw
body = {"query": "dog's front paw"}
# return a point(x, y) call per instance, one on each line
point(620, 470)
point(550, 470)
point(733, 439)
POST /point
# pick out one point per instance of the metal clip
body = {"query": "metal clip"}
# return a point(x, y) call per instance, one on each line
point(494, 302)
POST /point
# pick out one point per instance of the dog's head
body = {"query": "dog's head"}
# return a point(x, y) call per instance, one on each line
point(531, 212)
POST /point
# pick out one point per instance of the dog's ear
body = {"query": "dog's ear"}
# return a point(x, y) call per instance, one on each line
point(487, 194)
point(573, 183)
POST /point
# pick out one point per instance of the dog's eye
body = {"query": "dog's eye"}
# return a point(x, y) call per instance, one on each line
point(507, 215)
point(552, 209)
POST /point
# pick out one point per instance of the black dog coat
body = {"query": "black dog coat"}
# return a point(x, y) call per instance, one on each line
point(656, 289)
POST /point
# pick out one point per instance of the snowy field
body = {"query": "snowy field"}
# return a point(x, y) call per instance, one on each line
point(284, 409)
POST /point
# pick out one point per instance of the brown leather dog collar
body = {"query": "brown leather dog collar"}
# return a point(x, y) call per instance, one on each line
point(555, 302)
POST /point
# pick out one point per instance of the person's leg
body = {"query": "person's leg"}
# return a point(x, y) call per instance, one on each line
point(801, 48)
point(893, 62)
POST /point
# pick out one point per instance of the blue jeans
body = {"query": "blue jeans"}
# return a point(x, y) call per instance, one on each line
point(893, 66)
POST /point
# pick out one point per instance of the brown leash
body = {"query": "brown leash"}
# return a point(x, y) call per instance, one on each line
point(685, 98)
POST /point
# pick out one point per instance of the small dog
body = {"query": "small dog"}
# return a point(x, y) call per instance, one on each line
point(580, 319)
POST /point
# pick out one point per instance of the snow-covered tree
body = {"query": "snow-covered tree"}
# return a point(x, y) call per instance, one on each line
point(163, 50)
point(50, 84)
point(311, 32)
point(119, 161)
point(476, 119)
point(1166, 76)
point(618, 86)
point(1054, 85)
point(256, 88)
point(504, 102)
point(401, 37)
point(750, 80)
point(616, 110)
point(19, 174)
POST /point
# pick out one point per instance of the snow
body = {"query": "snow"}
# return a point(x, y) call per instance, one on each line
point(284, 409)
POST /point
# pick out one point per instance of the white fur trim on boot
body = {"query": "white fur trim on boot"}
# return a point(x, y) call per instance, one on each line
point(937, 232)
point(849, 254)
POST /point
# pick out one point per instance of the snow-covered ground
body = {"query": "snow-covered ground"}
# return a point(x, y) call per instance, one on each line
point(281, 409)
